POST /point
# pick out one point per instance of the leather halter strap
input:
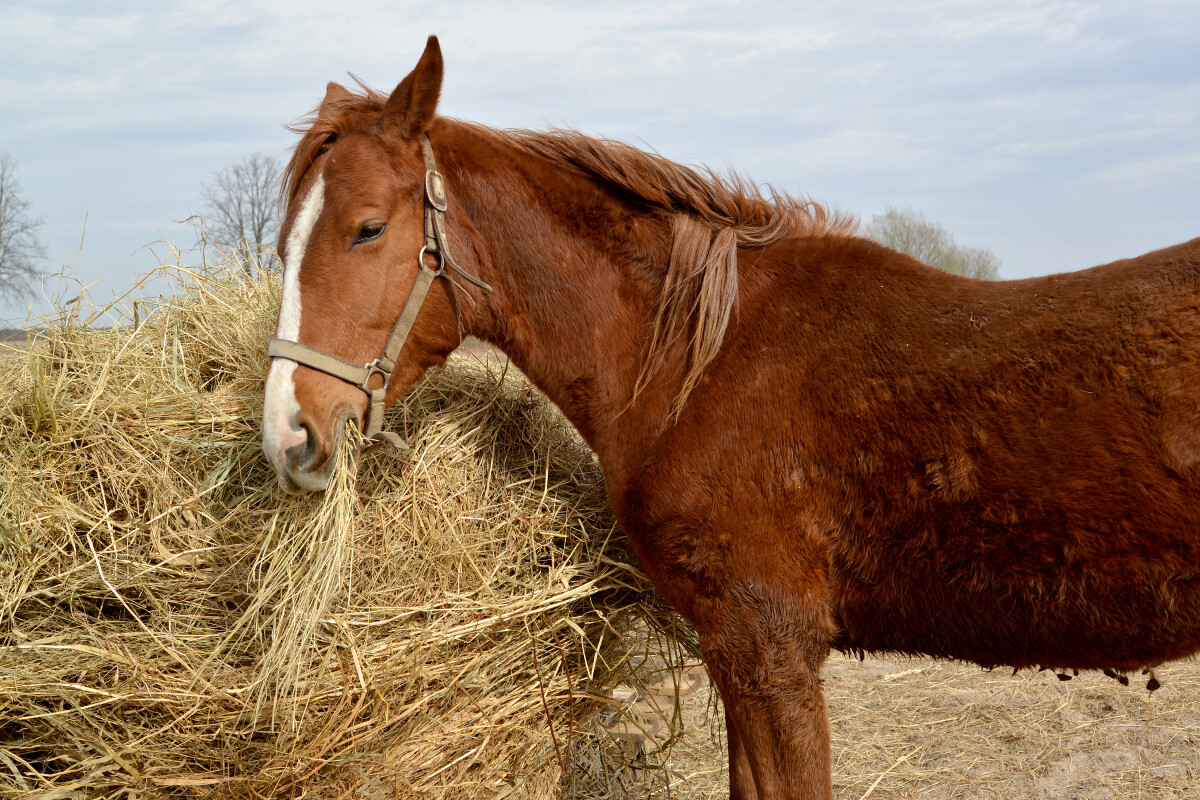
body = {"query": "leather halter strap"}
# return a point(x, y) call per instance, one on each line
point(436, 244)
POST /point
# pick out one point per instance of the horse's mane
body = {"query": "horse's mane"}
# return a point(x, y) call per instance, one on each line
point(712, 215)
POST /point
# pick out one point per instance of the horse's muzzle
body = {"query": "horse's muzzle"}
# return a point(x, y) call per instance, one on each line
point(307, 465)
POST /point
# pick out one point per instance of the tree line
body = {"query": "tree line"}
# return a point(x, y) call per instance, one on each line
point(910, 232)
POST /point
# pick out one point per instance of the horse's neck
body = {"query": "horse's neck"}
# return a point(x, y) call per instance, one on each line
point(574, 276)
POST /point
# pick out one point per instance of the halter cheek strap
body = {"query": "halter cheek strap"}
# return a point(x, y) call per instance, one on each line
point(364, 377)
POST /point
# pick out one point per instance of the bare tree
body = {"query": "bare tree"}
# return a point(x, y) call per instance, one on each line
point(244, 213)
point(910, 232)
point(20, 248)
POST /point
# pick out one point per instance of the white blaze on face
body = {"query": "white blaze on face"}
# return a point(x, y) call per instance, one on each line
point(279, 405)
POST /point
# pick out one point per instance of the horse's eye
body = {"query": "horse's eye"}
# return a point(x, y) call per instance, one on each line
point(368, 233)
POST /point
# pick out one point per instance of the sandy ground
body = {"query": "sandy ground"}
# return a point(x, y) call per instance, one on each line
point(908, 729)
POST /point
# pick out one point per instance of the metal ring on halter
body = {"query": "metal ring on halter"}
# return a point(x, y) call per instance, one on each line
point(373, 369)
point(441, 259)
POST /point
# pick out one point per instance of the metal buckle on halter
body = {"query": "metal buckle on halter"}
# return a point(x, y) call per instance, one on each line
point(435, 189)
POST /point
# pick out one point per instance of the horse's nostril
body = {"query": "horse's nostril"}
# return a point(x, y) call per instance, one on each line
point(305, 453)
point(306, 461)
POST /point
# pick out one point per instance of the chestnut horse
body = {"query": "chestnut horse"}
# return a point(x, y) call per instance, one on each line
point(812, 441)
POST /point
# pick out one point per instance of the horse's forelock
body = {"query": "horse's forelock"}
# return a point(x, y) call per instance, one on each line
point(334, 117)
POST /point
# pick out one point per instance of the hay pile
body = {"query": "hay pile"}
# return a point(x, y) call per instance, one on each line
point(448, 623)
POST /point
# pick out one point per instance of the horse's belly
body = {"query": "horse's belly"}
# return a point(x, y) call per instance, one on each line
point(1089, 621)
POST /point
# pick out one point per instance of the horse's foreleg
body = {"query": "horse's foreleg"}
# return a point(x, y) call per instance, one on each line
point(741, 776)
point(765, 650)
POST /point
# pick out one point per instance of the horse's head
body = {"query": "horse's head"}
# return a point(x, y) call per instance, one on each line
point(351, 245)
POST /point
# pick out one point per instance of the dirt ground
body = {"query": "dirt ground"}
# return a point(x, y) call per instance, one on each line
point(932, 730)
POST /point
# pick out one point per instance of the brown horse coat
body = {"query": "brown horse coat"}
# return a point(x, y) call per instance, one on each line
point(812, 441)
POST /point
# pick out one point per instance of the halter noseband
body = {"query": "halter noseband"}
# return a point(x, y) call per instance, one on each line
point(435, 245)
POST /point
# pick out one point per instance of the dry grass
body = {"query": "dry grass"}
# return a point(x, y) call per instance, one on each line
point(444, 624)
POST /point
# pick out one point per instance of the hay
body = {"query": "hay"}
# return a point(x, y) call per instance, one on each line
point(446, 623)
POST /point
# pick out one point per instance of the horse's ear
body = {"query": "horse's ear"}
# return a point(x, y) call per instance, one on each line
point(335, 95)
point(410, 110)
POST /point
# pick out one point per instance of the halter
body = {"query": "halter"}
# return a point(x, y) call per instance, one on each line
point(436, 246)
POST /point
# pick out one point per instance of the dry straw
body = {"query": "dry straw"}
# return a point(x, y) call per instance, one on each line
point(447, 623)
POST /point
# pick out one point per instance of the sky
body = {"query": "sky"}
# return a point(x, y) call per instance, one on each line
point(1058, 135)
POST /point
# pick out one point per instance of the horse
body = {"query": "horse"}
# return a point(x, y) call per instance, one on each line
point(812, 441)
